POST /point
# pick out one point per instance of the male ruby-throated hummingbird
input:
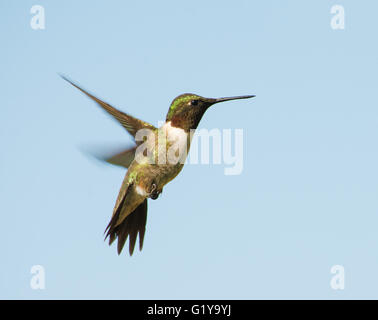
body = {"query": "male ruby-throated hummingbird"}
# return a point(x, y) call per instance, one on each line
point(166, 148)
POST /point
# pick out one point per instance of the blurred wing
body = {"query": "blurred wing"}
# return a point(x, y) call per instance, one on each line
point(131, 124)
point(122, 159)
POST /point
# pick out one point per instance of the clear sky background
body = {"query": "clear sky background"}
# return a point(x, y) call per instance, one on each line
point(305, 201)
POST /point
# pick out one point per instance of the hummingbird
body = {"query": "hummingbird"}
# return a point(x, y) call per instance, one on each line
point(166, 148)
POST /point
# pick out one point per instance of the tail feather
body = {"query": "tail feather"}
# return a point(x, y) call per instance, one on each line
point(133, 224)
point(142, 229)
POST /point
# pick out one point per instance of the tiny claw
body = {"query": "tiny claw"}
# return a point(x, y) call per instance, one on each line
point(154, 193)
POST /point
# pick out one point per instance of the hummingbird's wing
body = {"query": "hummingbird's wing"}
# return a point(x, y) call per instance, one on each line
point(131, 124)
point(122, 159)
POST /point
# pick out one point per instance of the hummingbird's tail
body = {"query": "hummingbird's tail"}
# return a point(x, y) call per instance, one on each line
point(133, 224)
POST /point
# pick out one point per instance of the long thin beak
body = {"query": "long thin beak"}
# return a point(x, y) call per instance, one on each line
point(233, 98)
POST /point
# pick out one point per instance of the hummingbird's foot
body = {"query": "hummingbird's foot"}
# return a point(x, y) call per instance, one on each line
point(154, 193)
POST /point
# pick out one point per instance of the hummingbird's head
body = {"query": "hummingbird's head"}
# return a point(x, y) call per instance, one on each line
point(187, 109)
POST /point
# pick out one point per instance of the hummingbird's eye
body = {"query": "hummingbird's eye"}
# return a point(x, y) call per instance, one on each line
point(194, 102)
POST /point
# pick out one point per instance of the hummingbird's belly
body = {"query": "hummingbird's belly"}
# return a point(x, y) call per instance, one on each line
point(166, 154)
point(166, 173)
point(152, 177)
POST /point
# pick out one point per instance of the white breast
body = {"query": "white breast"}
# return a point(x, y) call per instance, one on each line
point(177, 140)
point(175, 134)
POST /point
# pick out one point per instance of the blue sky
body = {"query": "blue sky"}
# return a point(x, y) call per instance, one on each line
point(305, 201)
